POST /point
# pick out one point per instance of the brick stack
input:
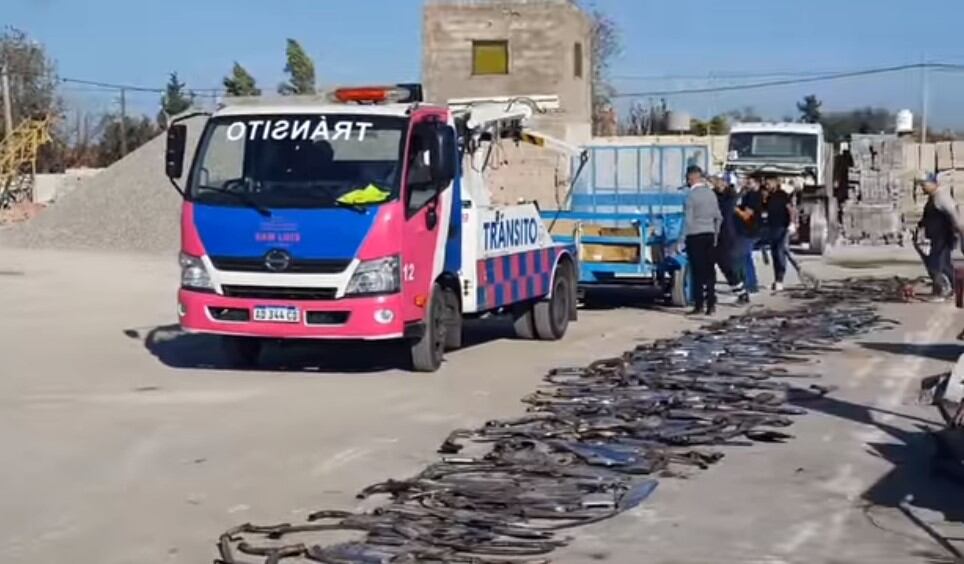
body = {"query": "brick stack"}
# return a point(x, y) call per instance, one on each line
point(872, 212)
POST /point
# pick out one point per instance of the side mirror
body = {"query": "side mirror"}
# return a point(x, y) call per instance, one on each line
point(174, 157)
point(439, 139)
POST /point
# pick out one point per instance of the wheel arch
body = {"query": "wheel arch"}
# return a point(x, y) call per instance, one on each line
point(450, 281)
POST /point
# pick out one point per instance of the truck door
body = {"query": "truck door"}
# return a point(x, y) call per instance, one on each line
point(427, 202)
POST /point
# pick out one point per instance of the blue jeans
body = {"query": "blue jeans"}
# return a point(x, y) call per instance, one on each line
point(743, 262)
point(780, 251)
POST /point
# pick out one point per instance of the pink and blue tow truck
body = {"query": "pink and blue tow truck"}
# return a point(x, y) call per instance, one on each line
point(362, 214)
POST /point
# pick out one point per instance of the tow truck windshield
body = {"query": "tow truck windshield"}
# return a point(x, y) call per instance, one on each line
point(298, 161)
point(774, 147)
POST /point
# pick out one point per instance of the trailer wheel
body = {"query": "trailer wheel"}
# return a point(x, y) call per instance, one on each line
point(241, 352)
point(453, 320)
point(552, 316)
point(679, 293)
point(428, 350)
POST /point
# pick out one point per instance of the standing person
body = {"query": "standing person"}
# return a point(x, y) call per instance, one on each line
point(941, 224)
point(725, 243)
point(778, 208)
point(749, 212)
point(701, 226)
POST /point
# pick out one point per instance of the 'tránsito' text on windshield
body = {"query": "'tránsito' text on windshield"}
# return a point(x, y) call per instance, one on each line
point(297, 130)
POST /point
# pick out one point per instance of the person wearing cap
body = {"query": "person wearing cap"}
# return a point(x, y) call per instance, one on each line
point(942, 225)
point(701, 226)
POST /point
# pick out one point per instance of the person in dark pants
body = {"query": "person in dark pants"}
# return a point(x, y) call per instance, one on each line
point(941, 224)
point(777, 206)
point(725, 243)
point(701, 227)
point(749, 211)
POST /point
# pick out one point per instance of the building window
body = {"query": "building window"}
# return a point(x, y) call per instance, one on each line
point(490, 57)
point(577, 60)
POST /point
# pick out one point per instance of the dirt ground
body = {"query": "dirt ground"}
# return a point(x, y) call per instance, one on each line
point(127, 441)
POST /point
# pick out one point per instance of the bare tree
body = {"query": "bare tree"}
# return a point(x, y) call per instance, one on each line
point(606, 46)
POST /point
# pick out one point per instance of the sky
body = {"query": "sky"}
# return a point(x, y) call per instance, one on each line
point(696, 42)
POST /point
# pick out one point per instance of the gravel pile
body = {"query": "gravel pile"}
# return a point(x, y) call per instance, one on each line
point(129, 207)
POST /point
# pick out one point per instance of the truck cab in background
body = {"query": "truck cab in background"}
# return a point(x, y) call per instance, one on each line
point(797, 154)
point(360, 215)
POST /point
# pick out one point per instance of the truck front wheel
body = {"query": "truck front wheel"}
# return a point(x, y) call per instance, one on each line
point(428, 350)
point(241, 352)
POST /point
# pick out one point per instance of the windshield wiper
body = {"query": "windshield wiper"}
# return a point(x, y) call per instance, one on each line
point(356, 207)
point(241, 196)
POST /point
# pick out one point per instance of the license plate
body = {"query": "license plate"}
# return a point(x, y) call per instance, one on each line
point(277, 314)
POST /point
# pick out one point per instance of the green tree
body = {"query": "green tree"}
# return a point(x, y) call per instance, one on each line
point(838, 126)
point(745, 115)
point(139, 131)
point(809, 109)
point(241, 83)
point(718, 125)
point(175, 100)
point(300, 69)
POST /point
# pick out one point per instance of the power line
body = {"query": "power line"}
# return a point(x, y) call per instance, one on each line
point(786, 82)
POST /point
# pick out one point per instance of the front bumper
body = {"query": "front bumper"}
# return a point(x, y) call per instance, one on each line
point(347, 318)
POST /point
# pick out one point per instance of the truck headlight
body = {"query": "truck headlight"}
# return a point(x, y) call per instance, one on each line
point(193, 273)
point(379, 276)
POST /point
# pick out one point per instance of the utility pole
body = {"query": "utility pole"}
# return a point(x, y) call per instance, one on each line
point(7, 103)
point(123, 121)
point(925, 94)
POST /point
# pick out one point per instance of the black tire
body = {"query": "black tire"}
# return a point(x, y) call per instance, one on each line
point(427, 352)
point(453, 320)
point(523, 322)
point(551, 317)
point(678, 297)
point(241, 352)
point(819, 229)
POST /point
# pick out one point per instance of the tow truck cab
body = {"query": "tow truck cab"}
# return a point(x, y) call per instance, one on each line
point(353, 217)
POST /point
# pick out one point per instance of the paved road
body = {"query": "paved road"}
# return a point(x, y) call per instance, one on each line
point(127, 442)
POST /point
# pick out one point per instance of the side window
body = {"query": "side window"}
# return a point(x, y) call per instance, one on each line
point(490, 57)
point(577, 60)
point(421, 188)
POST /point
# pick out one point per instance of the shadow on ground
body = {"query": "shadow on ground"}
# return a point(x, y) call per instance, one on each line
point(948, 352)
point(910, 451)
point(178, 349)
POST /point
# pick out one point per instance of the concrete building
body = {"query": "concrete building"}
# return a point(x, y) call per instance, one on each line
point(511, 47)
point(479, 48)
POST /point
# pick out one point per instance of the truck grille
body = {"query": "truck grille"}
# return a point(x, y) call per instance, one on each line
point(297, 266)
point(278, 293)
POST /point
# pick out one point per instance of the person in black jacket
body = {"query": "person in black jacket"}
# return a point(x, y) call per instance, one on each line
point(726, 242)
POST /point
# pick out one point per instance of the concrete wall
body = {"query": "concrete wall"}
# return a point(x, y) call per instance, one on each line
point(51, 187)
point(541, 35)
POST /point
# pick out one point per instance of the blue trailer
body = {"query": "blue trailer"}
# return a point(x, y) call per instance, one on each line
point(625, 215)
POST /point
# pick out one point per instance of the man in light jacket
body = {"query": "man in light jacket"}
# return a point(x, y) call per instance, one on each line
point(942, 225)
point(701, 227)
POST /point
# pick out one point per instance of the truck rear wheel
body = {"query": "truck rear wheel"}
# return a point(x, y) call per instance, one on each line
point(523, 323)
point(428, 350)
point(551, 316)
point(241, 352)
